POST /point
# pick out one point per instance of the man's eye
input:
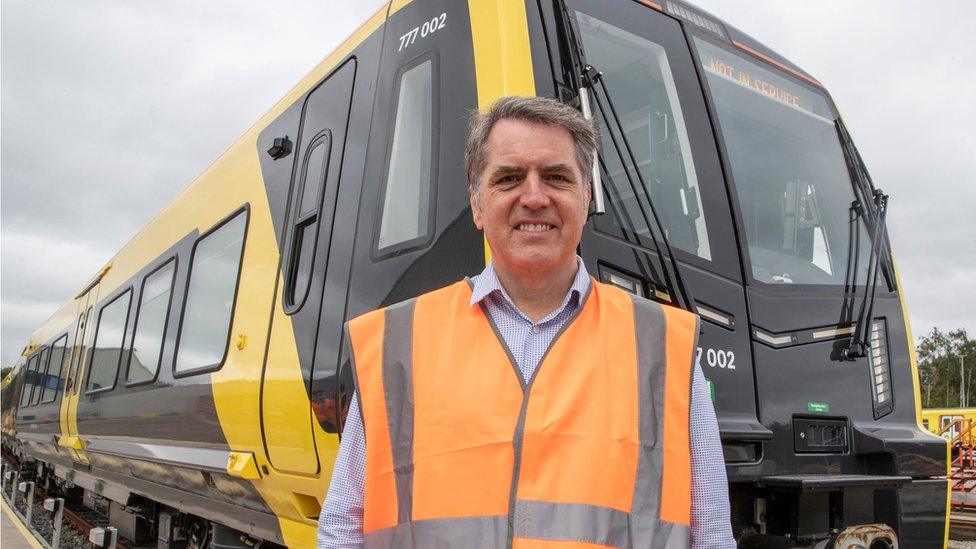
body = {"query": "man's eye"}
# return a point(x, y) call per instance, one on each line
point(557, 177)
point(508, 179)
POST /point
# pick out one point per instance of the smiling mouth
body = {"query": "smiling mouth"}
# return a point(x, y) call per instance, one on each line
point(534, 227)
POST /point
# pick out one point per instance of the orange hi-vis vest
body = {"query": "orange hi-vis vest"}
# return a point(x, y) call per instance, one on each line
point(460, 452)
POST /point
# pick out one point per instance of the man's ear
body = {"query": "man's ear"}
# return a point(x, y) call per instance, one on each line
point(475, 208)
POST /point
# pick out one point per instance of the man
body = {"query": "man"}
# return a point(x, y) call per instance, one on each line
point(531, 403)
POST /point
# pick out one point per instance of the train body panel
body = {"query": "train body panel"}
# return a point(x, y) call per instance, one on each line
point(204, 370)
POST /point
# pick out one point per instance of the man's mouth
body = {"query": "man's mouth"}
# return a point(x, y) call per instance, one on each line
point(534, 227)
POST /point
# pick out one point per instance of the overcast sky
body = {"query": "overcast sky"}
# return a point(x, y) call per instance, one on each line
point(110, 108)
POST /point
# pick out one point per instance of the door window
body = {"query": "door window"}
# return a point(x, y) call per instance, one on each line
point(305, 227)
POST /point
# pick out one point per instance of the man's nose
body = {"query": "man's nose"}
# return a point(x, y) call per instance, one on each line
point(534, 193)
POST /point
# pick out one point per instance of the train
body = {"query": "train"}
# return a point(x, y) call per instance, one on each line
point(946, 422)
point(195, 389)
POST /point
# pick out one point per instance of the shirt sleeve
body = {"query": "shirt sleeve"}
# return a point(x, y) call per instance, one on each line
point(711, 525)
point(341, 519)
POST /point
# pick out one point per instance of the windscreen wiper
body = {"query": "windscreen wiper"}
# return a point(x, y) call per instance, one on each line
point(864, 194)
point(588, 79)
point(859, 345)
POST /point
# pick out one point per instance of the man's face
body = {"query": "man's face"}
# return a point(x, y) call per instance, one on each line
point(531, 201)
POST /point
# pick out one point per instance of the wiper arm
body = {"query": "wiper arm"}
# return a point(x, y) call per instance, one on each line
point(860, 344)
point(864, 192)
point(607, 110)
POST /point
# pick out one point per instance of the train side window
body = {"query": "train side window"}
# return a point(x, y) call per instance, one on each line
point(55, 371)
point(107, 346)
point(41, 380)
point(315, 168)
point(407, 203)
point(150, 325)
point(211, 292)
point(30, 372)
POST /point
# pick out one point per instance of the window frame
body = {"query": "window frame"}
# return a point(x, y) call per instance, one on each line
point(64, 353)
point(297, 219)
point(174, 260)
point(94, 343)
point(423, 240)
point(245, 209)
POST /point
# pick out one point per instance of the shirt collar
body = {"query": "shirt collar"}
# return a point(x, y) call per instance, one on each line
point(487, 283)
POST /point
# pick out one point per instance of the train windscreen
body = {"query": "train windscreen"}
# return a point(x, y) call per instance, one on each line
point(792, 183)
point(637, 74)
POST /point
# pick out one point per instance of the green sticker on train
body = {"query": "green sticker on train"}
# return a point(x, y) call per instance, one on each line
point(822, 407)
point(711, 389)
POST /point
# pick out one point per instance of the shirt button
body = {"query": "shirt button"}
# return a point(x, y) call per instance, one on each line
point(536, 329)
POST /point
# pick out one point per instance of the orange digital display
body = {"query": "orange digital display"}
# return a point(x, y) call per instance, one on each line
point(768, 89)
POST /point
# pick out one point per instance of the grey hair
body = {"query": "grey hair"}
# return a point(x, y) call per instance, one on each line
point(537, 110)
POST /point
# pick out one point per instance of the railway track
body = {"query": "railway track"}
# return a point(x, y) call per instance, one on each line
point(962, 525)
point(78, 520)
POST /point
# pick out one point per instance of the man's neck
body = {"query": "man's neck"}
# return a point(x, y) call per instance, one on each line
point(537, 294)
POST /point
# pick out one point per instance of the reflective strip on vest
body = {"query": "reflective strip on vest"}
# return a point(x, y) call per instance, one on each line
point(398, 387)
point(442, 438)
point(540, 521)
point(468, 532)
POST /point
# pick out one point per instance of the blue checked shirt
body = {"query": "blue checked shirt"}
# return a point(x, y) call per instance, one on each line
point(341, 520)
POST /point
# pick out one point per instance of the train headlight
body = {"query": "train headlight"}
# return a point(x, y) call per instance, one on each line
point(880, 370)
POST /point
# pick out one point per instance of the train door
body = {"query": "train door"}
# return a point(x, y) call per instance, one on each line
point(659, 160)
point(310, 218)
point(75, 378)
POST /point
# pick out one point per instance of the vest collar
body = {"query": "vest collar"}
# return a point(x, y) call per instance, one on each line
point(486, 283)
